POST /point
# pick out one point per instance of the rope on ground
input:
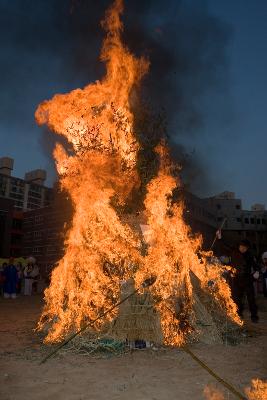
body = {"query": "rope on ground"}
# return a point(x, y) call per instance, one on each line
point(148, 282)
point(212, 373)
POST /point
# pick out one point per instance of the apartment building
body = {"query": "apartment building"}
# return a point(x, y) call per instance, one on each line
point(27, 194)
point(44, 231)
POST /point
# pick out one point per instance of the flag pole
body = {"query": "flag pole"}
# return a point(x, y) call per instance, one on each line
point(216, 234)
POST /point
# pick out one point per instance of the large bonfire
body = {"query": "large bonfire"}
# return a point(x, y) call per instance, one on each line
point(99, 171)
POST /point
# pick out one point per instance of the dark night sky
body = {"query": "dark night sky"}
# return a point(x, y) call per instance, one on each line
point(217, 58)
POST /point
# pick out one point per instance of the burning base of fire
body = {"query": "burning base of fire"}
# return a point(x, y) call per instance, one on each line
point(139, 320)
point(190, 299)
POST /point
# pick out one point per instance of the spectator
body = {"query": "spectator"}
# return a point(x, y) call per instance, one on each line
point(20, 276)
point(264, 273)
point(2, 278)
point(31, 272)
point(36, 276)
point(246, 270)
point(10, 280)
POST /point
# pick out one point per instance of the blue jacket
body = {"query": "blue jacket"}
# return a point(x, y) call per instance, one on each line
point(10, 274)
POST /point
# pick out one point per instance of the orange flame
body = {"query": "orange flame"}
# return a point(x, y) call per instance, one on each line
point(211, 393)
point(257, 391)
point(99, 171)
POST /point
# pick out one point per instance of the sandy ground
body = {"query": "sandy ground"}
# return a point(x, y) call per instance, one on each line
point(141, 375)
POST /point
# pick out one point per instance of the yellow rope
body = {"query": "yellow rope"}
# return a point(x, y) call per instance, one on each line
point(212, 373)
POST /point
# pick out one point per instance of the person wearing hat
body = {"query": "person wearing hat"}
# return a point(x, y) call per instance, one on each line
point(246, 271)
point(264, 272)
point(31, 272)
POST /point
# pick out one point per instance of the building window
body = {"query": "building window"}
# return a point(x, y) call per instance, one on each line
point(28, 221)
point(258, 221)
point(218, 206)
point(246, 221)
point(51, 249)
point(33, 194)
point(263, 221)
point(237, 206)
point(3, 185)
point(37, 250)
point(37, 234)
point(252, 220)
point(18, 204)
point(39, 218)
point(16, 196)
point(35, 188)
point(16, 239)
point(219, 219)
point(238, 219)
point(17, 223)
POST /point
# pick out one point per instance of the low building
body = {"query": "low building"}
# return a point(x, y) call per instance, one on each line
point(237, 223)
point(10, 229)
point(44, 229)
point(6, 216)
point(18, 195)
point(200, 218)
point(16, 242)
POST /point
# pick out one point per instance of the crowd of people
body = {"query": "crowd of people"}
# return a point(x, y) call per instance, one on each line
point(18, 279)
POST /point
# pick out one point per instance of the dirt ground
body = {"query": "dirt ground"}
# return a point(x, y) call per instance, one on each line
point(141, 375)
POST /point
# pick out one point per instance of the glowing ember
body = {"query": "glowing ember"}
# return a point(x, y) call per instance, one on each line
point(212, 393)
point(100, 173)
point(258, 390)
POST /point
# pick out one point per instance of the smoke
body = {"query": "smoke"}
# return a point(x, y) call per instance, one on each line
point(186, 46)
point(184, 42)
point(57, 48)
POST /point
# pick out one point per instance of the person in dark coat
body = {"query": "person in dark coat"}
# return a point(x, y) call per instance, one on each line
point(246, 271)
point(264, 272)
point(20, 275)
point(10, 274)
point(2, 278)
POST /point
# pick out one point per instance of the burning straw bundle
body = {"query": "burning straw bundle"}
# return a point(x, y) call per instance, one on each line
point(212, 324)
point(137, 318)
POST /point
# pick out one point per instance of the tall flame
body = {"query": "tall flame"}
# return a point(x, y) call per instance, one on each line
point(100, 170)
